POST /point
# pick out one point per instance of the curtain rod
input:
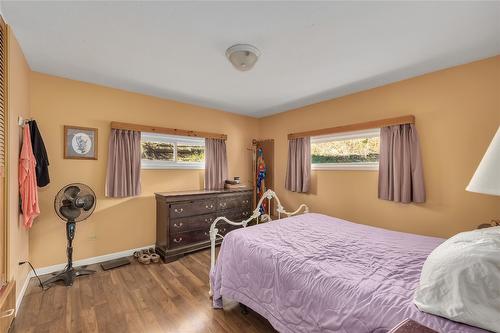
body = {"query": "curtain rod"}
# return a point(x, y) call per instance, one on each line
point(409, 119)
point(255, 141)
point(165, 130)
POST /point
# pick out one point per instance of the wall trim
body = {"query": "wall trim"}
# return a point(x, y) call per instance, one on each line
point(89, 261)
point(26, 283)
point(82, 262)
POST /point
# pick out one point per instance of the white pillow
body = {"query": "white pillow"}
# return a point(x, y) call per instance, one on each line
point(460, 279)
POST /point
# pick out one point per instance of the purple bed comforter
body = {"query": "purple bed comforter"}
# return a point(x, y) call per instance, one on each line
point(315, 273)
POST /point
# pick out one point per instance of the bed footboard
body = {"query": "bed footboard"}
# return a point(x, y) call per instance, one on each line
point(258, 215)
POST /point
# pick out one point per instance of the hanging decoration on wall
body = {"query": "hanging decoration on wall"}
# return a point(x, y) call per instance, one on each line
point(261, 179)
point(80, 143)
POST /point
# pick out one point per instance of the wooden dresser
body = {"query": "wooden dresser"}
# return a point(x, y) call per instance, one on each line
point(183, 219)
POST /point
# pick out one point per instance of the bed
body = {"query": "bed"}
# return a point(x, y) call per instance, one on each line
point(315, 273)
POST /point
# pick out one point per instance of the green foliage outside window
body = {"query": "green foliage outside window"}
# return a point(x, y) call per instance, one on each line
point(157, 151)
point(164, 151)
point(190, 153)
point(360, 150)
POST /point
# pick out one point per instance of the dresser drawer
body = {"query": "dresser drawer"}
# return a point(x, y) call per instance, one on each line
point(224, 228)
point(199, 222)
point(188, 238)
point(191, 208)
point(237, 214)
point(197, 236)
point(235, 201)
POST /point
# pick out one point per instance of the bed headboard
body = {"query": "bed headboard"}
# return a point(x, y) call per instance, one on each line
point(260, 214)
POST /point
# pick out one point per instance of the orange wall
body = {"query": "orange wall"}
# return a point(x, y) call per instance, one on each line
point(117, 224)
point(457, 113)
point(18, 105)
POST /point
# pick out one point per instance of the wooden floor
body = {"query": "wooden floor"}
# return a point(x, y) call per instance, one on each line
point(135, 298)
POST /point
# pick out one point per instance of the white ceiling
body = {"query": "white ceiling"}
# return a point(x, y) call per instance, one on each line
point(311, 51)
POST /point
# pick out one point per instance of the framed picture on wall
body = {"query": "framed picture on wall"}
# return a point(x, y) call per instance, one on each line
point(80, 143)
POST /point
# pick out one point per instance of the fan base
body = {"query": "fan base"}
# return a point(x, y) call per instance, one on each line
point(69, 275)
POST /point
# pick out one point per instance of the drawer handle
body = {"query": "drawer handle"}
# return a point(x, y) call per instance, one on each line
point(208, 219)
point(223, 204)
point(223, 230)
point(178, 240)
point(244, 201)
point(244, 213)
point(7, 313)
point(178, 225)
point(178, 211)
point(209, 206)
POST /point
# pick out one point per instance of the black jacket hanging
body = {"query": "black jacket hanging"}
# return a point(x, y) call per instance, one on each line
point(42, 160)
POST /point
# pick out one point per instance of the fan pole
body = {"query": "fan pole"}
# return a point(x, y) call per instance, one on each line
point(70, 235)
point(69, 274)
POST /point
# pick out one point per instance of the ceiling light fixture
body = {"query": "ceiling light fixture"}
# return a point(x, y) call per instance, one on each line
point(243, 56)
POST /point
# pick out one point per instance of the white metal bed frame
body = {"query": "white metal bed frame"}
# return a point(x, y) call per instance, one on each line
point(257, 215)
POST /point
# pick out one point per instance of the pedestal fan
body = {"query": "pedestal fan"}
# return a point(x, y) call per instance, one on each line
point(73, 203)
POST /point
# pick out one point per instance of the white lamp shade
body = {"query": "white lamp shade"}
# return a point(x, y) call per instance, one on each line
point(487, 177)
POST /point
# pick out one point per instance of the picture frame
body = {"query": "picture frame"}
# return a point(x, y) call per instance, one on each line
point(80, 143)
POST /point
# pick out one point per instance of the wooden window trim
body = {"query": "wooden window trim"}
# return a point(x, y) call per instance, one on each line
point(165, 130)
point(409, 119)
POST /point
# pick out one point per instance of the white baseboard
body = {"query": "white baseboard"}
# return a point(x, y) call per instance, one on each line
point(23, 290)
point(81, 262)
point(90, 261)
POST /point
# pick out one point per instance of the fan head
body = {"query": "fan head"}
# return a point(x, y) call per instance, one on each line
point(75, 202)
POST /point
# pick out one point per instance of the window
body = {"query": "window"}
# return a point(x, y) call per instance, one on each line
point(346, 151)
point(161, 151)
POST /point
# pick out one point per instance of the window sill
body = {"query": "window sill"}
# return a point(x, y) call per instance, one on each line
point(172, 167)
point(346, 166)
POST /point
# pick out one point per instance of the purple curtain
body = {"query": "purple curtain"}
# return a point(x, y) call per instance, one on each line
point(123, 178)
point(298, 171)
point(215, 164)
point(401, 176)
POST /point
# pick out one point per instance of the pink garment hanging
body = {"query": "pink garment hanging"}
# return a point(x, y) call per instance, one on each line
point(27, 180)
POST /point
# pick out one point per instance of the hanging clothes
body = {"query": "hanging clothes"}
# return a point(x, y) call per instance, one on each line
point(27, 180)
point(42, 159)
point(261, 179)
